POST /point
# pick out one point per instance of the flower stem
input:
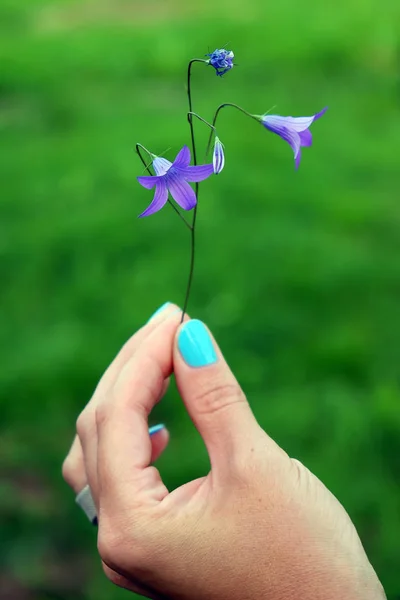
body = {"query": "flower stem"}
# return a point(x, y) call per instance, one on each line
point(220, 107)
point(139, 148)
point(193, 226)
point(193, 114)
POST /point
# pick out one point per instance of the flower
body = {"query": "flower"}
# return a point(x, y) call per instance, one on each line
point(295, 130)
point(218, 156)
point(221, 60)
point(174, 178)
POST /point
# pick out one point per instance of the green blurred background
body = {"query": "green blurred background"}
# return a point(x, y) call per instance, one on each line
point(297, 273)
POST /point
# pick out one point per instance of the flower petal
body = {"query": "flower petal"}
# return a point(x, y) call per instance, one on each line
point(182, 159)
point(299, 123)
point(297, 159)
point(320, 113)
point(296, 123)
point(148, 181)
point(293, 138)
point(181, 191)
point(302, 123)
point(160, 198)
point(289, 135)
point(197, 173)
point(305, 137)
point(161, 165)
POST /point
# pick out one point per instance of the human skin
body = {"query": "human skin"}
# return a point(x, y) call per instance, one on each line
point(258, 525)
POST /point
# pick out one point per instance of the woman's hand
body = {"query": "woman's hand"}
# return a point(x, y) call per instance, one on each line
point(259, 525)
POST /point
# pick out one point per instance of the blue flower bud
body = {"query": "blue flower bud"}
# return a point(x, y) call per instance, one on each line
point(218, 156)
point(221, 60)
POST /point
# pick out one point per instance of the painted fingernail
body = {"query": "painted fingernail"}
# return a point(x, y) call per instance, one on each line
point(195, 344)
point(159, 310)
point(156, 428)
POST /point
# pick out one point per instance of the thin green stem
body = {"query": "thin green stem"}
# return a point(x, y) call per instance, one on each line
point(193, 114)
point(139, 147)
point(189, 95)
point(192, 230)
point(220, 107)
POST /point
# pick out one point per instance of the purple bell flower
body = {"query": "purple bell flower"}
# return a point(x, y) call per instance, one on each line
point(221, 60)
point(173, 178)
point(218, 156)
point(294, 130)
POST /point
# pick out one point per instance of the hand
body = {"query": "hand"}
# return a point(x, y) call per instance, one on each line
point(259, 525)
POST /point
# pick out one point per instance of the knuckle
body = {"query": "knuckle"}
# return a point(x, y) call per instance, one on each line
point(82, 423)
point(68, 470)
point(218, 397)
point(100, 414)
point(122, 547)
point(126, 384)
point(110, 545)
point(302, 476)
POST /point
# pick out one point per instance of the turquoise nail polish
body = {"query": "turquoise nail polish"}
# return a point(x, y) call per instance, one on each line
point(195, 345)
point(159, 310)
point(156, 428)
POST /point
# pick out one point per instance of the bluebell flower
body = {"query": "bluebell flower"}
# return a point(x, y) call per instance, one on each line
point(173, 178)
point(294, 130)
point(221, 60)
point(218, 156)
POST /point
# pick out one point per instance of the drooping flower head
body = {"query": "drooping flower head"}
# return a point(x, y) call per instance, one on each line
point(221, 60)
point(294, 130)
point(218, 156)
point(173, 178)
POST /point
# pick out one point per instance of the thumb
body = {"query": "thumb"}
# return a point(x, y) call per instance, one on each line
point(212, 395)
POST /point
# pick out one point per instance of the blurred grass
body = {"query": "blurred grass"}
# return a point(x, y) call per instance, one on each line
point(297, 274)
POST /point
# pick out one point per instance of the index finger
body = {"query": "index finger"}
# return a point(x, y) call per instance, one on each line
point(124, 446)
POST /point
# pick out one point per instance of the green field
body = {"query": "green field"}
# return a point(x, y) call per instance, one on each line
point(297, 273)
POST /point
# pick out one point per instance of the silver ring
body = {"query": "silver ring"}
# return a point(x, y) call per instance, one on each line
point(85, 500)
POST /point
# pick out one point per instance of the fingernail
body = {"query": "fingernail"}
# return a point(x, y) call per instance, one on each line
point(195, 344)
point(156, 428)
point(159, 310)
